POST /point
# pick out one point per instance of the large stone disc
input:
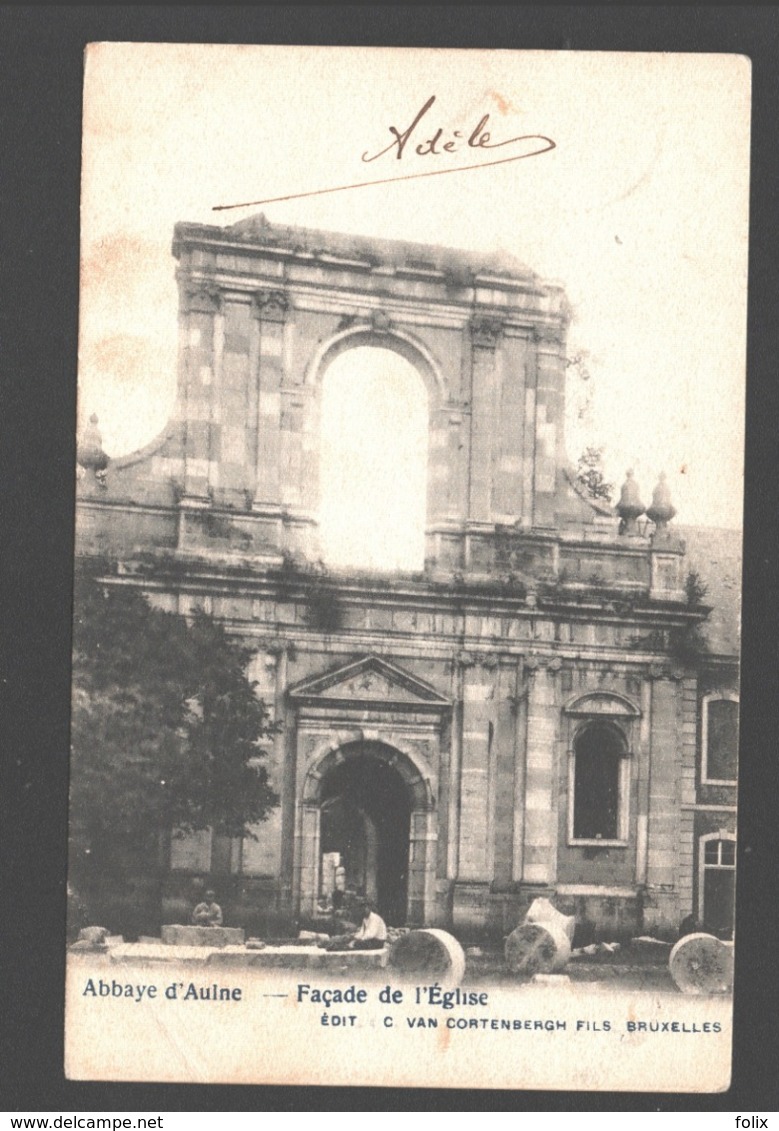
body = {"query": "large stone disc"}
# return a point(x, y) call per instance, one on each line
point(533, 948)
point(429, 953)
point(702, 964)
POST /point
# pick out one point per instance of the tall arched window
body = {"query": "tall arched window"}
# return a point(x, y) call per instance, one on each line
point(373, 469)
point(719, 738)
point(599, 784)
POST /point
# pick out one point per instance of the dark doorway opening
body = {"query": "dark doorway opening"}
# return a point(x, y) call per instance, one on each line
point(366, 818)
point(719, 887)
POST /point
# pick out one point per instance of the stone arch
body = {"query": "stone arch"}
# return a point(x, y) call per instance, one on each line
point(611, 726)
point(440, 471)
point(408, 346)
point(353, 745)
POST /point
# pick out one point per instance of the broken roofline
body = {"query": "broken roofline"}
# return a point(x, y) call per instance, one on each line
point(430, 261)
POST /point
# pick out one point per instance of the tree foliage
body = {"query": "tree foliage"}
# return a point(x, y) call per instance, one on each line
point(695, 589)
point(166, 729)
point(589, 474)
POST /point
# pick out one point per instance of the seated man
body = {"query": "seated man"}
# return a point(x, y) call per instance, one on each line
point(209, 913)
point(371, 934)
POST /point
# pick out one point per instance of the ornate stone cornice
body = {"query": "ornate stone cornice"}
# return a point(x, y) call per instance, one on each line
point(486, 331)
point(549, 334)
point(201, 298)
point(271, 306)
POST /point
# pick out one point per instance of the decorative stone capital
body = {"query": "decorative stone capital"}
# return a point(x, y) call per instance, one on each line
point(486, 332)
point(271, 306)
point(201, 298)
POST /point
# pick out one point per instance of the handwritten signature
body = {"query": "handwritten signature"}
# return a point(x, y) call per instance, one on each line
point(479, 138)
point(438, 144)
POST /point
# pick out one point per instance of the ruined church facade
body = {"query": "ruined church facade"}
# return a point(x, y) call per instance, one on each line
point(516, 718)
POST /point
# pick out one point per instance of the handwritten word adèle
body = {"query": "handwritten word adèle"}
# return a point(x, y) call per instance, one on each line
point(479, 138)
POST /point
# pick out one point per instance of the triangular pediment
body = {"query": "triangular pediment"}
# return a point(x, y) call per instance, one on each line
point(370, 681)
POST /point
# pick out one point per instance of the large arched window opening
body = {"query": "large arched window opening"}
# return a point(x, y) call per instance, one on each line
point(719, 738)
point(599, 793)
point(373, 469)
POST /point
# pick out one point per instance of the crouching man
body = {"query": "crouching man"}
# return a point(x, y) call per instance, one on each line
point(371, 934)
point(208, 913)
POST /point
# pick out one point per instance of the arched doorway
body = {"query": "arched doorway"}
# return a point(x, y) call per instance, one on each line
point(365, 819)
point(368, 802)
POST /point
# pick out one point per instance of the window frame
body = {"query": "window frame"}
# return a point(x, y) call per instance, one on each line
point(612, 708)
point(623, 786)
point(718, 835)
point(715, 697)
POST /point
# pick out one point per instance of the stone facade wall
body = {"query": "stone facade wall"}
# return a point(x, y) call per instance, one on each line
point(471, 673)
point(496, 757)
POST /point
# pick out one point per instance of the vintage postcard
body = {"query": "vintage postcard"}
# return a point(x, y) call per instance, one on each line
point(406, 637)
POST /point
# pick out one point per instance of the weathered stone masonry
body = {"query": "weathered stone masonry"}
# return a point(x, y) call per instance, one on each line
point(468, 685)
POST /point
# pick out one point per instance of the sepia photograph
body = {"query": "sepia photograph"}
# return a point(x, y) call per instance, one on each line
point(408, 546)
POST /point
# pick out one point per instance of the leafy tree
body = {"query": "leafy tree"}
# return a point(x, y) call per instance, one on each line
point(695, 589)
point(166, 732)
point(589, 475)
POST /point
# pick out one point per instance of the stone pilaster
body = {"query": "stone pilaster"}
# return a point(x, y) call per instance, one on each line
point(441, 466)
point(477, 740)
point(486, 333)
point(270, 308)
point(540, 848)
point(549, 419)
point(237, 402)
point(505, 759)
point(508, 465)
point(685, 857)
point(663, 822)
point(643, 768)
point(200, 306)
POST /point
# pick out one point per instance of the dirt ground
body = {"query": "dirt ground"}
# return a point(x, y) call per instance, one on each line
point(634, 966)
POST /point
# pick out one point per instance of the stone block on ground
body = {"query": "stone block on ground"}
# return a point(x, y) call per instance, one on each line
point(159, 952)
point(174, 934)
point(298, 958)
point(91, 939)
point(93, 934)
